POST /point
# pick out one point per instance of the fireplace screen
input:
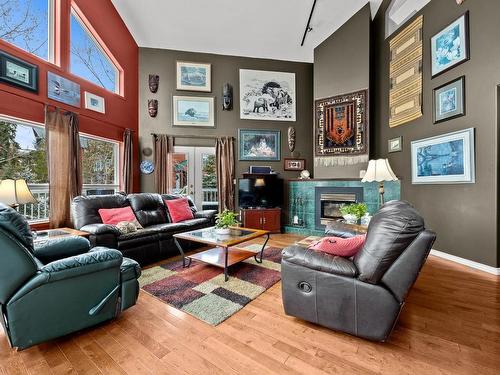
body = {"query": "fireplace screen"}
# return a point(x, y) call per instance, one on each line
point(331, 203)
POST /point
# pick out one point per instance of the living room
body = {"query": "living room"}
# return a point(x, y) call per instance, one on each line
point(295, 186)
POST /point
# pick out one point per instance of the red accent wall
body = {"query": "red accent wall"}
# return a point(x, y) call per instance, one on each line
point(121, 111)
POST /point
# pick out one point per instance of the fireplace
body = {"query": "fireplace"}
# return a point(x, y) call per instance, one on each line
point(330, 199)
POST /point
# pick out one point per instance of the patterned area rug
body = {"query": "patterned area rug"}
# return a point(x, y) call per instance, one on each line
point(308, 240)
point(201, 291)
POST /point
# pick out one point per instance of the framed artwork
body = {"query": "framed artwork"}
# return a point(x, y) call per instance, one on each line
point(450, 46)
point(194, 76)
point(267, 95)
point(257, 144)
point(449, 100)
point(444, 159)
point(17, 72)
point(94, 102)
point(294, 164)
point(395, 144)
point(63, 90)
point(405, 92)
point(194, 111)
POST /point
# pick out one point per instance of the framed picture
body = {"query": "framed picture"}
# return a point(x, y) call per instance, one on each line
point(444, 159)
point(449, 100)
point(94, 102)
point(256, 144)
point(193, 111)
point(194, 76)
point(450, 46)
point(267, 95)
point(17, 72)
point(63, 90)
point(295, 164)
point(395, 144)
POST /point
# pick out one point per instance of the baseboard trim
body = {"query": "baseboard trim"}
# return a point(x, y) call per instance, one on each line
point(467, 262)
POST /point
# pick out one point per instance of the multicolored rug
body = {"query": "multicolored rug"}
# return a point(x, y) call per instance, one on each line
point(201, 291)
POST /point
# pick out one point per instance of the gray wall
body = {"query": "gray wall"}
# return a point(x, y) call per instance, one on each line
point(463, 215)
point(225, 69)
point(342, 65)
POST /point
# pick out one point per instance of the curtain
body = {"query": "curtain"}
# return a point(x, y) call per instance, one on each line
point(127, 161)
point(224, 156)
point(64, 164)
point(163, 174)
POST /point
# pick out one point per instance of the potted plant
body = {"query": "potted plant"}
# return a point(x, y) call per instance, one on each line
point(353, 212)
point(224, 220)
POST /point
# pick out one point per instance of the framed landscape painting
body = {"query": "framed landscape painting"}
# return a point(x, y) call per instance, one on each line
point(194, 76)
point(17, 72)
point(449, 100)
point(259, 144)
point(193, 111)
point(63, 90)
point(267, 95)
point(450, 46)
point(444, 159)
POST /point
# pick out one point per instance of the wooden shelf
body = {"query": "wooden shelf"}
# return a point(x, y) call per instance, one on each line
point(216, 256)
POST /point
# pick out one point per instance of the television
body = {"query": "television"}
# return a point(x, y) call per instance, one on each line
point(260, 192)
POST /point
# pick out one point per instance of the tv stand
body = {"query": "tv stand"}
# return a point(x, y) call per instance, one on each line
point(262, 218)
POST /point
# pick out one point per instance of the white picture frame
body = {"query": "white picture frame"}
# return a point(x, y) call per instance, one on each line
point(193, 76)
point(95, 102)
point(196, 111)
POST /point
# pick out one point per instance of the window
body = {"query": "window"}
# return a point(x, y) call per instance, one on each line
point(22, 155)
point(88, 59)
point(28, 24)
point(399, 11)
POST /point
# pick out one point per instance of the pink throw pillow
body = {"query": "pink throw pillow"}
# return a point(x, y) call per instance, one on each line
point(344, 247)
point(115, 215)
point(179, 209)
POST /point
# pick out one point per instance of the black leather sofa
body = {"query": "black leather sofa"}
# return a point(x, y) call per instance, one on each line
point(147, 245)
point(362, 296)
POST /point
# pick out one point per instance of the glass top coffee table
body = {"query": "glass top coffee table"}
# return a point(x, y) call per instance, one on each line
point(225, 253)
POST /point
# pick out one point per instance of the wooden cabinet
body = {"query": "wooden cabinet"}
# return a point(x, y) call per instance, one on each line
point(262, 218)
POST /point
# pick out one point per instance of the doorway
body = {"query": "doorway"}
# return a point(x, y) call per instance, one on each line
point(194, 171)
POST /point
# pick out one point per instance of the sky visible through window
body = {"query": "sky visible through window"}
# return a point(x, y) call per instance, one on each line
point(24, 23)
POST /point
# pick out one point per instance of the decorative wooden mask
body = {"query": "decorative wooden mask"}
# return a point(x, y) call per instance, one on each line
point(227, 97)
point(154, 81)
point(153, 107)
point(291, 138)
point(459, 2)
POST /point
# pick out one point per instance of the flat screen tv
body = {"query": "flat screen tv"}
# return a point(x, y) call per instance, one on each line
point(260, 192)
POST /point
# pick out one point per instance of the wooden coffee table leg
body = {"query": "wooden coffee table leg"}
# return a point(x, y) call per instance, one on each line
point(226, 277)
point(262, 250)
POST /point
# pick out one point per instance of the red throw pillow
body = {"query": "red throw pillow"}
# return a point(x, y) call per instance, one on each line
point(115, 215)
point(179, 209)
point(344, 247)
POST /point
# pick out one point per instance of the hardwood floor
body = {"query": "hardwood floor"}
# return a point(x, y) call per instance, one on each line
point(450, 325)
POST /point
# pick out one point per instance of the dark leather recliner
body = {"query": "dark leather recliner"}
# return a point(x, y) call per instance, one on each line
point(60, 286)
point(365, 295)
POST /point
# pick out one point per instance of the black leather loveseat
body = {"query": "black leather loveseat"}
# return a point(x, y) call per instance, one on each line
point(147, 245)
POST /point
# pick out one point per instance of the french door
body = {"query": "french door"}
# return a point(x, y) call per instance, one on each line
point(194, 171)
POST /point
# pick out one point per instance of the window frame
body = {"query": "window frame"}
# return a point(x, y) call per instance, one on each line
point(389, 22)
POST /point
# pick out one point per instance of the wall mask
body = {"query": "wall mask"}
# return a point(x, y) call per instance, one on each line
point(227, 97)
point(291, 138)
point(153, 107)
point(154, 81)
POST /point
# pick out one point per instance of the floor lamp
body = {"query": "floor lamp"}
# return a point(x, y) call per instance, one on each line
point(379, 170)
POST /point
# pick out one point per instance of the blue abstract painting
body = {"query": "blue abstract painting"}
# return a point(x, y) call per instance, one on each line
point(448, 101)
point(442, 159)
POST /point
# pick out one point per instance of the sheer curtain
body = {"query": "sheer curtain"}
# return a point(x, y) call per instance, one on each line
point(64, 164)
point(224, 155)
point(163, 174)
point(127, 161)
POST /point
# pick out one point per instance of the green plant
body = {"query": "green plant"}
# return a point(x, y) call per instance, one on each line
point(225, 219)
point(356, 209)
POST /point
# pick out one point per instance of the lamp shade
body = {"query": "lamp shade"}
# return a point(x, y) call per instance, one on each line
point(14, 192)
point(379, 170)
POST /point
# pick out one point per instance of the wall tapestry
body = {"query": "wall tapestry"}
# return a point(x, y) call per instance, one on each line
point(405, 94)
point(266, 95)
point(341, 129)
point(259, 144)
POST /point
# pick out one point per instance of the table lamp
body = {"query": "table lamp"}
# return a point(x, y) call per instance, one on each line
point(15, 192)
point(379, 170)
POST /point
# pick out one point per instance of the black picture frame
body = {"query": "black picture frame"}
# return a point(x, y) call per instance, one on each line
point(7, 75)
point(460, 82)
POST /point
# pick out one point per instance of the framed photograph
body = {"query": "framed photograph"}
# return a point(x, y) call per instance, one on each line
point(63, 90)
point(395, 144)
point(94, 102)
point(267, 95)
point(194, 76)
point(194, 111)
point(444, 159)
point(17, 72)
point(295, 164)
point(449, 100)
point(450, 46)
point(257, 144)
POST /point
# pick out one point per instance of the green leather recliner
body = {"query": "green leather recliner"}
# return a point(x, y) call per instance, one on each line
point(59, 287)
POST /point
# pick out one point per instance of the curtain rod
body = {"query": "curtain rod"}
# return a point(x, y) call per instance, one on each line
point(193, 136)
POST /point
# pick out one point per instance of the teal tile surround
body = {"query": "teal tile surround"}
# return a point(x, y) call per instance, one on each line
point(306, 190)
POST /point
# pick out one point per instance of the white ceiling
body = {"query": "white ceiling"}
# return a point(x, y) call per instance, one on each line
point(252, 28)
